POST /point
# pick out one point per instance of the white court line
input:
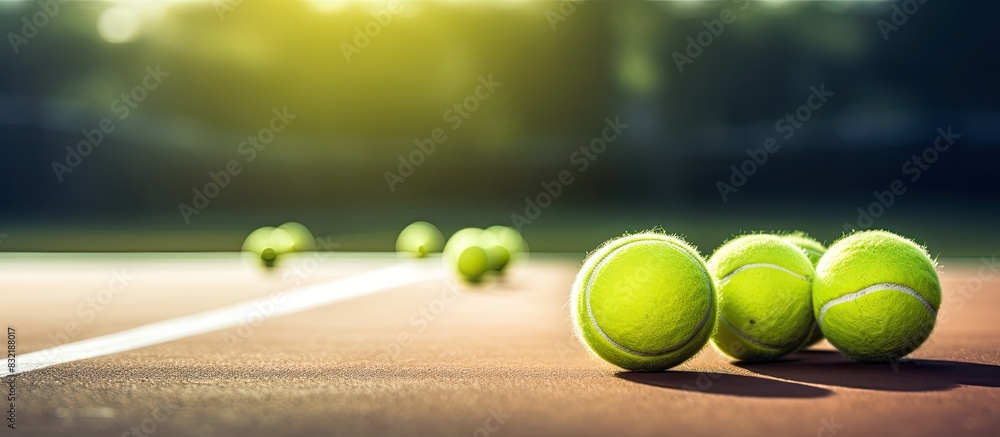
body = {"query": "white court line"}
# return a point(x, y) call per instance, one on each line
point(213, 320)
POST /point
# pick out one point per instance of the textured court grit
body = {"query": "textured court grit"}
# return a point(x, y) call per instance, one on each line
point(323, 372)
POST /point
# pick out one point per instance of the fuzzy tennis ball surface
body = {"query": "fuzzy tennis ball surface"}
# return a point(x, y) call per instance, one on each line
point(302, 238)
point(765, 297)
point(644, 302)
point(814, 250)
point(464, 255)
point(420, 239)
point(876, 296)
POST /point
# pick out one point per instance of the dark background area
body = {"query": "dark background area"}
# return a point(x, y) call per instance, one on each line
point(560, 81)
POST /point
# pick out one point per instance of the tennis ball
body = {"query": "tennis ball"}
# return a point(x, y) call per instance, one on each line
point(814, 250)
point(765, 292)
point(503, 245)
point(464, 255)
point(876, 296)
point(302, 238)
point(497, 256)
point(419, 239)
point(472, 263)
point(644, 302)
point(256, 243)
point(509, 238)
point(267, 244)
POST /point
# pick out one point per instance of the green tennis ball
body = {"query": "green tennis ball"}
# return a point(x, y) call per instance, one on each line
point(503, 245)
point(509, 238)
point(765, 306)
point(257, 239)
point(464, 255)
point(472, 263)
point(497, 256)
point(419, 239)
point(644, 302)
point(267, 244)
point(814, 250)
point(876, 296)
point(268, 256)
point(302, 238)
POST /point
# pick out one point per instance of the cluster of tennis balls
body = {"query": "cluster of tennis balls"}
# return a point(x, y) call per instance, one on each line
point(472, 254)
point(266, 245)
point(650, 301)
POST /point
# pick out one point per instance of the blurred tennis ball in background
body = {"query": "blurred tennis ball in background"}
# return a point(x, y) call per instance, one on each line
point(267, 244)
point(497, 256)
point(465, 256)
point(814, 250)
point(503, 245)
point(765, 297)
point(302, 238)
point(644, 302)
point(419, 239)
point(472, 263)
point(876, 295)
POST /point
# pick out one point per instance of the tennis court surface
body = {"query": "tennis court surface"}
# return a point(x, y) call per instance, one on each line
point(409, 353)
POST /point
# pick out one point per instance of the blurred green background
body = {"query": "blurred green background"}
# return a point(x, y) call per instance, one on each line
point(366, 81)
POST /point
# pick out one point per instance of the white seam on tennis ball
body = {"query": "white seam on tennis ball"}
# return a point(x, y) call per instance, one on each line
point(872, 289)
point(751, 340)
point(593, 320)
point(726, 278)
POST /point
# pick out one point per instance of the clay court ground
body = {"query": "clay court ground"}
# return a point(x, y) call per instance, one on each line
point(412, 354)
point(143, 142)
